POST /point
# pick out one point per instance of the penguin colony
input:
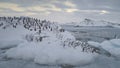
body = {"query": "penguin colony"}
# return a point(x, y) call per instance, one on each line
point(34, 24)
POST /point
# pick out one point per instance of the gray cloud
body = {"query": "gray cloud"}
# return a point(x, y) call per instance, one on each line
point(63, 10)
point(110, 5)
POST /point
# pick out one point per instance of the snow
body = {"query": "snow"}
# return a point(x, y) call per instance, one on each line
point(89, 22)
point(12, 37)
point(96, 23)
point(52, 53)
point(51, 50)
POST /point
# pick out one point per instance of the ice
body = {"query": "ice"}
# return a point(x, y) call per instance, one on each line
point(51, 53)
point(95, 44)
point(113, 46)
point(9, 44)
point(103, 62)
point(109, 47)
point(115, 42)
point(23, 64)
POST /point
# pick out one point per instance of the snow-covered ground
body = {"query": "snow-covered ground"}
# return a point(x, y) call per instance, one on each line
point(49, 46)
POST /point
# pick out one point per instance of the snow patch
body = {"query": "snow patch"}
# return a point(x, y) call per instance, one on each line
point(50, 53)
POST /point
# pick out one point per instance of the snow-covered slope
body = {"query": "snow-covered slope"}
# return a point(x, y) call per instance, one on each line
point(19, 28)
point(42, 42)
point(90, 22)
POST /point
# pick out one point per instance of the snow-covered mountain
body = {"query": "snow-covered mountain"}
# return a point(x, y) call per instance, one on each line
point(90, 22)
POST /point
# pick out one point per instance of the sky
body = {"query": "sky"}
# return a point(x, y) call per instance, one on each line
point(63, 11)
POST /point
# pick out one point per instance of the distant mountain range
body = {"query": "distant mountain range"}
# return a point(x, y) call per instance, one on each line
point(89, 22)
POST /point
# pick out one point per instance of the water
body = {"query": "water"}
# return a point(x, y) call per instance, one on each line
point(97, 34)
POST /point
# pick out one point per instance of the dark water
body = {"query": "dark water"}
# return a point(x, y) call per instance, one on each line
point(97, 34)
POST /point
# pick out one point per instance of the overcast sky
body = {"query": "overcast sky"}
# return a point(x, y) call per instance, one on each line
point(63, 10)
